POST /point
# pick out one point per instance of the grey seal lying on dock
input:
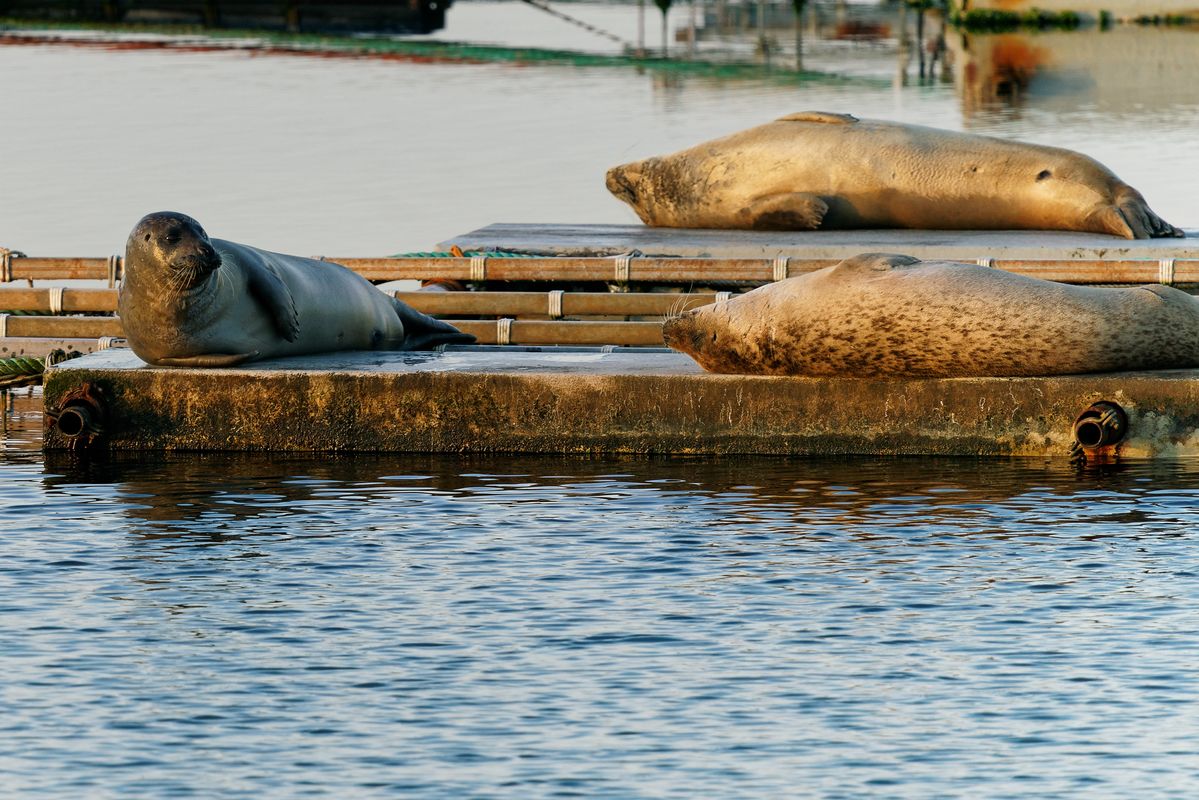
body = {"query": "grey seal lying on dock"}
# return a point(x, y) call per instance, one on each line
point(186, 300)
point(820, 170)
point(881, 315)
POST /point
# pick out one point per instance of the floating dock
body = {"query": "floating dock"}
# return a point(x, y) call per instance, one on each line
point(521, 391)
point(487, 399)
point(578, 240)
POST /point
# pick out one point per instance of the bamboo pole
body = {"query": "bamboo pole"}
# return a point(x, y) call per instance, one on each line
point(62, 327)
point(487, 331)
point(580, 269)
point(55, 268)
point(41, 347)
point(554, 332)
point(552, 304)
point(73, 300)
point(646, 269)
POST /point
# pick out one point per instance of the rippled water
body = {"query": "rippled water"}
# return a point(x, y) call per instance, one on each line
point(225, 626)
point(450, 627)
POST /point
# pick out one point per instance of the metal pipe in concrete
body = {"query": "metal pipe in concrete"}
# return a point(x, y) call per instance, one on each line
point(77, 420)
point(1104, 423)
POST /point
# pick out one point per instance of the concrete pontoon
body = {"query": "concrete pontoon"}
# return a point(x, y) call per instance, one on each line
point(599, 400)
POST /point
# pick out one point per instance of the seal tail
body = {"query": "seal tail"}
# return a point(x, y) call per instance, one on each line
point(422, 332)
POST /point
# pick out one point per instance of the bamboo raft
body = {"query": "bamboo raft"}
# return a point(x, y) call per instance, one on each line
point(34, 320)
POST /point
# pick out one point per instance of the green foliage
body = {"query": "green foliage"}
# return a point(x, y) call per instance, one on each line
point(1167, 19)
point(993, 19)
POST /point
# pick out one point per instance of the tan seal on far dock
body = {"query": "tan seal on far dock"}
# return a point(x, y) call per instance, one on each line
point(816, 170)
point(189, 301)
point(880, 315)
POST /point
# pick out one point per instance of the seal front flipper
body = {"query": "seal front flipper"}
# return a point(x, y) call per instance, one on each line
point(272, 293)
point(820, 116)
point(422, 332)
point(786, 211)
point(207, 360)
point(874, 262)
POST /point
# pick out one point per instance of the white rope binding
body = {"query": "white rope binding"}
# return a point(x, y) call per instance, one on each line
point(986, 262)
point(781, 268)
point(3, 326)
point(623, 263)
point(478, 268)
point(555, 309)
point(114, 270)
point(56, 300)
point(503, 331)
point(6, 257)
point(722, 296)
point(106, 342)
point(1165, 271)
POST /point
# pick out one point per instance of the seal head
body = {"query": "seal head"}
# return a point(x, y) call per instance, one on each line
point(177, 246)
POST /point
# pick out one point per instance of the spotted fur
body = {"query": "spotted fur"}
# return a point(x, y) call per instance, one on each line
point(881, 315)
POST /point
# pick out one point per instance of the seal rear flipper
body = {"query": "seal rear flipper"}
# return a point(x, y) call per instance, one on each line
point(272, 293)
point(207, 360)
point(422, 332)
point(1144, 223)
point(786, 211)
point(820, 116)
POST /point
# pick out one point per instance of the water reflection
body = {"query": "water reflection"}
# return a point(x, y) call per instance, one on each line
point(236, 495)
point(1126, 70)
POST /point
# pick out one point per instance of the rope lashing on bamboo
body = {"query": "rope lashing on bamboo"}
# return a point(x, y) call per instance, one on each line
point(555, 304)
point(781, 268)
point(107, 342)
point(115, 268)
point(3, 326)
point(722, 296)
point(985, 262)
point(503, 331)
point(56, 300)
point(6, 257)
point(478, 268)
point(622, 266)
point(1165, 271)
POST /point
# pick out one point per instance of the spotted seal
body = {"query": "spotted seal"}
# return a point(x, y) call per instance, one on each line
point(186, 300)
point(821, 170)
point(882, 315)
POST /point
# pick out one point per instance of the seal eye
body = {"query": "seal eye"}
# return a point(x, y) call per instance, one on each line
point(1044, 174)
point(147, 237)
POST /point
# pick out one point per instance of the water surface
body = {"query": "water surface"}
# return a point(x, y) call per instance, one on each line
point(282, 626)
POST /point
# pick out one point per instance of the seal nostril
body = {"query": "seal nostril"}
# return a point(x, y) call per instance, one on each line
point(1044, 175)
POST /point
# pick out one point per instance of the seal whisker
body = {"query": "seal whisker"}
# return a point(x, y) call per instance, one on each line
point(676, 308)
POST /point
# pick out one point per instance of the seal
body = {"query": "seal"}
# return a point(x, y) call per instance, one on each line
point(879, 315)
point(820, 170)
point(186, 300)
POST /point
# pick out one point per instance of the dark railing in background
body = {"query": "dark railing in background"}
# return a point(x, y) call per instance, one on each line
point(407, 16)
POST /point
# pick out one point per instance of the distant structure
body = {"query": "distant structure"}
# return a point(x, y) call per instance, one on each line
point(384, 16)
